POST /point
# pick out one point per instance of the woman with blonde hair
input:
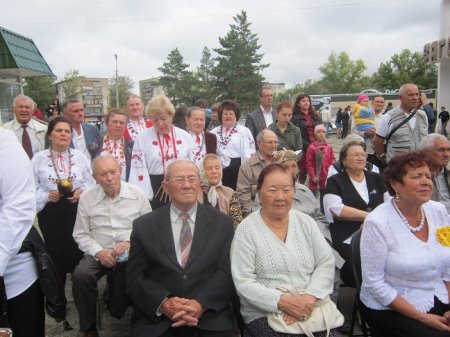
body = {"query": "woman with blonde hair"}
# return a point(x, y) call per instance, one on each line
point(155, 148)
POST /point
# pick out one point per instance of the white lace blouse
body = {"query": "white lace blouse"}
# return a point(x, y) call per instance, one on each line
point(395, 262)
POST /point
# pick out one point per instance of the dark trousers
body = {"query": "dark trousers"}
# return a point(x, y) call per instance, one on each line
point(26, 313)
point(196, 332)
point(388, 323)
point(230, 173)
point(85, 290)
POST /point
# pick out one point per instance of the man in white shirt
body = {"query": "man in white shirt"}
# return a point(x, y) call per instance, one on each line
point(17, 212)
point(30, 132)
point(136, 122)
point(265, 115)
point(102, 231)
point(325, 116)
point(85, 137)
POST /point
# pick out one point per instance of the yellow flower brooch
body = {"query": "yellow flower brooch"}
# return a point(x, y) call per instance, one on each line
point(443, 236)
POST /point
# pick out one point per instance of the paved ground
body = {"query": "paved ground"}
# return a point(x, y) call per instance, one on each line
point(120, 328)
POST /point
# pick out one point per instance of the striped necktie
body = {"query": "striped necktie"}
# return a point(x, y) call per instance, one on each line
point(185, 239)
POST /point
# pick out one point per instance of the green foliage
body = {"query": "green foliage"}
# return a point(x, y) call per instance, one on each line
point(205, 76)
point(342, 75)
point(238, 69)
point(406, 67)
point(177, 81)
point(71, 84)
point(41, 90)
point(125, 86)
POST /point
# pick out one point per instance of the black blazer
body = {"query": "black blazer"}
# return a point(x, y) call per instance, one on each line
point(153, 271)
point(255, 121)
point(341, 185)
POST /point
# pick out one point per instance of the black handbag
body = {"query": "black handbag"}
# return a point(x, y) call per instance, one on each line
point(4, 323)
point(49, 280)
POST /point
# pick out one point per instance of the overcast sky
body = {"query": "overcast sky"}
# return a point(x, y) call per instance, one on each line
point(297, 36)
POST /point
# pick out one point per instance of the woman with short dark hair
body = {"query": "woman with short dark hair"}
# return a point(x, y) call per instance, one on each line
point(405, 256)
point(235, 143)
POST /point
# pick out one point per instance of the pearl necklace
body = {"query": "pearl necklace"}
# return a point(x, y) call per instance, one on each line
point(411, 228)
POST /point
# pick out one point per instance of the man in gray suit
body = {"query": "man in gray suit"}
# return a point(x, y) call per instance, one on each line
point(265, 115)
point(85, 137)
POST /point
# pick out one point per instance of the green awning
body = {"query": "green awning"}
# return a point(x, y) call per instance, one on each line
point(19, 56)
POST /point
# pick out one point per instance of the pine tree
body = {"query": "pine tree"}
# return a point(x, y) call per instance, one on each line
point(205, 75)
point(238, 69)
point(176, 79)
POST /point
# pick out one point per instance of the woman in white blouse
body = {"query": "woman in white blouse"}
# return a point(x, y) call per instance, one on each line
point(155, 148)
point(405, 268)
point(277, 247)
point(114, 143)
point(235, 143)
point(205, 141)
point(349, 197)
point(57, 209)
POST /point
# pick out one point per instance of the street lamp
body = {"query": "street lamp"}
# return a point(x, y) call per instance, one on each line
point(117, 85)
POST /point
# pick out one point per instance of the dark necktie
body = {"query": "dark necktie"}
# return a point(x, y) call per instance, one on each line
point(185, 239)
point(26, 142)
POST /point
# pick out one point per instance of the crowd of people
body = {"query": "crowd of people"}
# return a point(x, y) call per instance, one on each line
point(212, 223)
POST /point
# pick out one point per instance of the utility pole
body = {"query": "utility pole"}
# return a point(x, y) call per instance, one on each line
point(117, 85)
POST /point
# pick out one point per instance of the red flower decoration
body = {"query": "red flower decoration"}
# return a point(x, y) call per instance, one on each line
point(155, 142)
point(141, 178)
point(179, 142)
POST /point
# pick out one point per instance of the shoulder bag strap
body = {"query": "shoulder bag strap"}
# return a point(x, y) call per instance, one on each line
point(411, 115)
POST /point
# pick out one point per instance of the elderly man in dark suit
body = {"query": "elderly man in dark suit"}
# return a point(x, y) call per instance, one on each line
point(85, 137)
point(265, 115)
point(178, 273)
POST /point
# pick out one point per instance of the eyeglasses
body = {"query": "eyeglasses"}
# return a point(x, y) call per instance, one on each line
point(189, 180)
point(358, 155)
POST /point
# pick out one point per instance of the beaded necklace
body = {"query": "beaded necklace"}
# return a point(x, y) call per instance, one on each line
point(225, 141)
point(58, 177)
point(411, 228)
point(111, 149)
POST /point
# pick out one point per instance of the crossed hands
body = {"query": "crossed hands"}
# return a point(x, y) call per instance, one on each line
point(295, 307)
point(182, 311)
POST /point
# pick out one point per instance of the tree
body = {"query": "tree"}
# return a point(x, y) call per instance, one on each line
point(41, 89)
point(177, 81)
point(205, 75)
point(406, 67)
point(71, 84)
point(125, 86)
point(342, 75)
point(238, 69)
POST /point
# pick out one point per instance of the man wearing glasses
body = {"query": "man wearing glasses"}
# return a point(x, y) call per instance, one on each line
point(265, 115)
point(250, 170)
point(178, 273)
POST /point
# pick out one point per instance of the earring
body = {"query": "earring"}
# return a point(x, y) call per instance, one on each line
point(397, 197)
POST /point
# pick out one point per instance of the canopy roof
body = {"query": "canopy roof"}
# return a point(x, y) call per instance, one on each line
point(19, 56)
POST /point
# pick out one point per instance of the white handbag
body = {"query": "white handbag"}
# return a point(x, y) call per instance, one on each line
point(325, 316)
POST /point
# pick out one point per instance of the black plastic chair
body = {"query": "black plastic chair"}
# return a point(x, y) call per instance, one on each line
point(356, 263)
